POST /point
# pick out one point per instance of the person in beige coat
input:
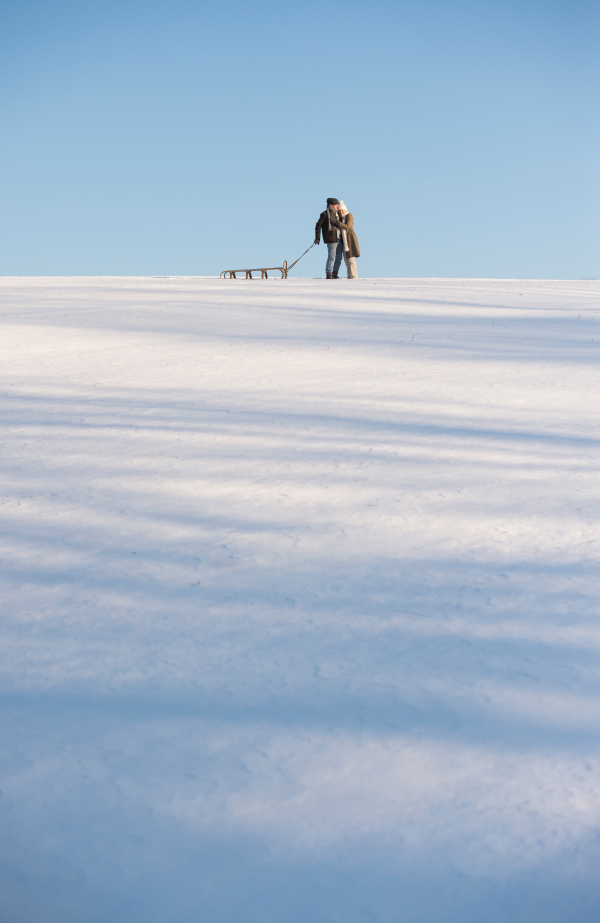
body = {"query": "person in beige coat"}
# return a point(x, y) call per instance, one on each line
point(352, 251)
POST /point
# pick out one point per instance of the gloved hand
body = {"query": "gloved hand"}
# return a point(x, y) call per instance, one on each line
point(317, 241)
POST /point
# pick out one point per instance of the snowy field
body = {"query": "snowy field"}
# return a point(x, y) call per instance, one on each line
point(299, 593)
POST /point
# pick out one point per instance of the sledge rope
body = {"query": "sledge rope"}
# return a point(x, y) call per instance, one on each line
point(300, 257)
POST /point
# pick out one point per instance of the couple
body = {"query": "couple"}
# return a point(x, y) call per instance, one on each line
point(338, 234)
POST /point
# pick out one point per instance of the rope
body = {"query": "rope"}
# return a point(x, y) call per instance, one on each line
point(300, 257)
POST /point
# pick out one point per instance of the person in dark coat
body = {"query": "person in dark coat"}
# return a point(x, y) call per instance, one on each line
point(330, 223)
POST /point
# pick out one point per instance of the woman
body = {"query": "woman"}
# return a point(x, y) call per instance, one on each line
point(350, 254)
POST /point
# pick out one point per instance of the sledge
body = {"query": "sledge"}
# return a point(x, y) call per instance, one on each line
point(264, 271)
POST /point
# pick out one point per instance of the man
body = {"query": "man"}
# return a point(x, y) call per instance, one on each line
point(329, 221)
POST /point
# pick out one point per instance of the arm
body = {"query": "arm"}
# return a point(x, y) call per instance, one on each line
point(318, 227)
point(334, 219)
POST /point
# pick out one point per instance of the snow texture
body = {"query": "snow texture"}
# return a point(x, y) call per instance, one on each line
point(299, 593)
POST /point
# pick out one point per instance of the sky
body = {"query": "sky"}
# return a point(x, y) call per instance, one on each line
point(184, 138)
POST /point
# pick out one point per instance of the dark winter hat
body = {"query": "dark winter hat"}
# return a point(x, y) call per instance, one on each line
point(333, 201)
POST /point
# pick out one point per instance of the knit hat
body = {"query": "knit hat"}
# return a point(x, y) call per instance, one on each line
point(332, 202)
point(342, 206)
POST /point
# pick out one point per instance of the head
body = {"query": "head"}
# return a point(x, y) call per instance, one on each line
point(333, 203)
point(342, 209)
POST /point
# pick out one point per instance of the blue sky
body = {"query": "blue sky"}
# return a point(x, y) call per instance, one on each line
point(184, 138)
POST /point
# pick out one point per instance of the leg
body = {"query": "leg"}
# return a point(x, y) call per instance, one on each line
point(351, 266)
point(331, 251)
point(339, 252)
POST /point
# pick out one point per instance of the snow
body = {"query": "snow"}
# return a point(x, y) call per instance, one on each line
point(299, 585)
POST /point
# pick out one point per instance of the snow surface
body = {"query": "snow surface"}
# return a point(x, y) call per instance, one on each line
point(299, 586)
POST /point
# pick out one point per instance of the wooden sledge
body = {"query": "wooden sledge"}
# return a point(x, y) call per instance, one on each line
point(264, 273)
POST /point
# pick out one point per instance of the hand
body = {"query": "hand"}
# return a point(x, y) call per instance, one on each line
point(317, 241)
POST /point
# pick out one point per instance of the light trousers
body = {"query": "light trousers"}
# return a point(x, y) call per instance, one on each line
point(350, 262)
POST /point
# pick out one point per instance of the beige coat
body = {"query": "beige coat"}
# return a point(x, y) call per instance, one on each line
point(348, 221)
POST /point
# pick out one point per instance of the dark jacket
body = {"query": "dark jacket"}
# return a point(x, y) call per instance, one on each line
point(330, 223)
point(348, 222)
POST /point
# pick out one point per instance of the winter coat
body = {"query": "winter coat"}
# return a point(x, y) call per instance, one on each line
point(348, 222)
point(329, 221)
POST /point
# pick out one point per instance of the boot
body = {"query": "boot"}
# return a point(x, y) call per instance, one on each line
point(329, 275)
point(334, 274)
